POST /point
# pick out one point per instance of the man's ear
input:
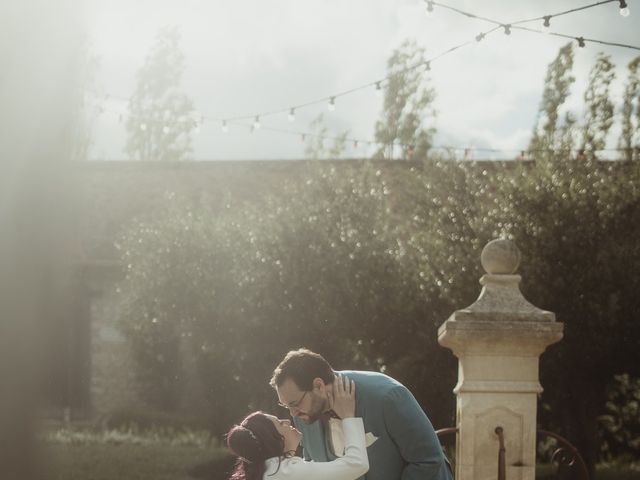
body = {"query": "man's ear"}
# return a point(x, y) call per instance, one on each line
point(318, 384)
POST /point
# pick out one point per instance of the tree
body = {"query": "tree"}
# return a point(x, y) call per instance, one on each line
point(630, 137)
point(621, 422)
point(83, 113)
point(548, 132)
point(408, 106)
point(161, 119)
point(599, 114)
point(319, 265)
point(316, 149)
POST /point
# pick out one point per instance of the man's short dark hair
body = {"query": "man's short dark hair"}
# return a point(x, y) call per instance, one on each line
point(302, 366)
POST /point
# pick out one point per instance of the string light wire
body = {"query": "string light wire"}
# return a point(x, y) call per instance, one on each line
point(546, 19)
point(377, 84)
point(355, 142)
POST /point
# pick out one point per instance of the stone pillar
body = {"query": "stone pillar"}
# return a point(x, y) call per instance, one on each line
point(498, 340)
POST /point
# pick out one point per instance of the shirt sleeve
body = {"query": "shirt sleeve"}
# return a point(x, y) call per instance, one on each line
point(415, 437)
point(352, 465)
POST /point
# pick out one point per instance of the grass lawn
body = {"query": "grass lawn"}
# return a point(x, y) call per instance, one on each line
point(126, 461)
point(603, 472)
point(616, 473)
point(131, 461)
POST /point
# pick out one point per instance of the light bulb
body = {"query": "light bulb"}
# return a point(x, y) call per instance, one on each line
point(332, 104)
point(507, 29)
point(224, 127)
point(547, 24)
point(256, 122)
point(624, 9)
point(429, 8)
point(580, 42)
point(378, 89)
point(428, 66)
point(479, 37)
point(292, 115)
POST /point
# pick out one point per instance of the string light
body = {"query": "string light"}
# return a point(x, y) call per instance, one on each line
point(547, 23)
point(378, 84)
point(292, 115)
point(410, 149)
point(224, 127)
point(624, 8)
point(507, 30)
point(429, 7)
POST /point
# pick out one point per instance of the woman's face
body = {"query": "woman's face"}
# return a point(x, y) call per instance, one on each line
point(290, 434)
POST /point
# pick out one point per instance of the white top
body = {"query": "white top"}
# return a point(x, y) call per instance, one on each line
point(352, 465)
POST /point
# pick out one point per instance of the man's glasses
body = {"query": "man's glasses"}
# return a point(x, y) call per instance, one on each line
point(294, 405)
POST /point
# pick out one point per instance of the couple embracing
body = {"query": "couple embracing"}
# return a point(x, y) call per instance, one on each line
point(351, 425)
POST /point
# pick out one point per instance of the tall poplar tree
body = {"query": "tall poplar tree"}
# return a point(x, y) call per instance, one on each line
point(599, 107)
point(408, 105)
point(550, 133)
point(630, 136)
point(161, 118)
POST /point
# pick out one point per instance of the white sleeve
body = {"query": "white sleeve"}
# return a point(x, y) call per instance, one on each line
point(352, 465)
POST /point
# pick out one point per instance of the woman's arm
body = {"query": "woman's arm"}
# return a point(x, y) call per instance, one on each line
point(352, 465)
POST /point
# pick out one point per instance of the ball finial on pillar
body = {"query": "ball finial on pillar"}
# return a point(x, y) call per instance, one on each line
point(500, 257)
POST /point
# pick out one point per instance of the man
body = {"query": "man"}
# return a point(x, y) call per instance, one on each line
point(401, 442)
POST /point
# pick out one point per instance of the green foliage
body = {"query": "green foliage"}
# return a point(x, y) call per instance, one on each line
point(129, 436)
point(316, 148)
point(112, 461)
point(82, 113)
point(621, 422)
point(599, 115)
point(630, 136)
point(161, 118)
point(363, 264)
point(408, 106)
point(322, 264)
point(146, 419)
point(548, 132)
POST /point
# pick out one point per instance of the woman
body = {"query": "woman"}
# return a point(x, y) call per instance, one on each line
point(266, 445)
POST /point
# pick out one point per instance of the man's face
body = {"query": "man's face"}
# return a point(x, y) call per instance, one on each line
point(306, 405)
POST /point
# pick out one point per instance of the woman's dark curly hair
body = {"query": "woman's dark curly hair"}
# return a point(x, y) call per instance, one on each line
point(254, 441)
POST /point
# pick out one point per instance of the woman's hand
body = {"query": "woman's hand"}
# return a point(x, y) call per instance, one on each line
point(344, 397)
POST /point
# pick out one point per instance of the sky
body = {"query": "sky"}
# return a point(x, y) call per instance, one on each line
point(244, 57)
